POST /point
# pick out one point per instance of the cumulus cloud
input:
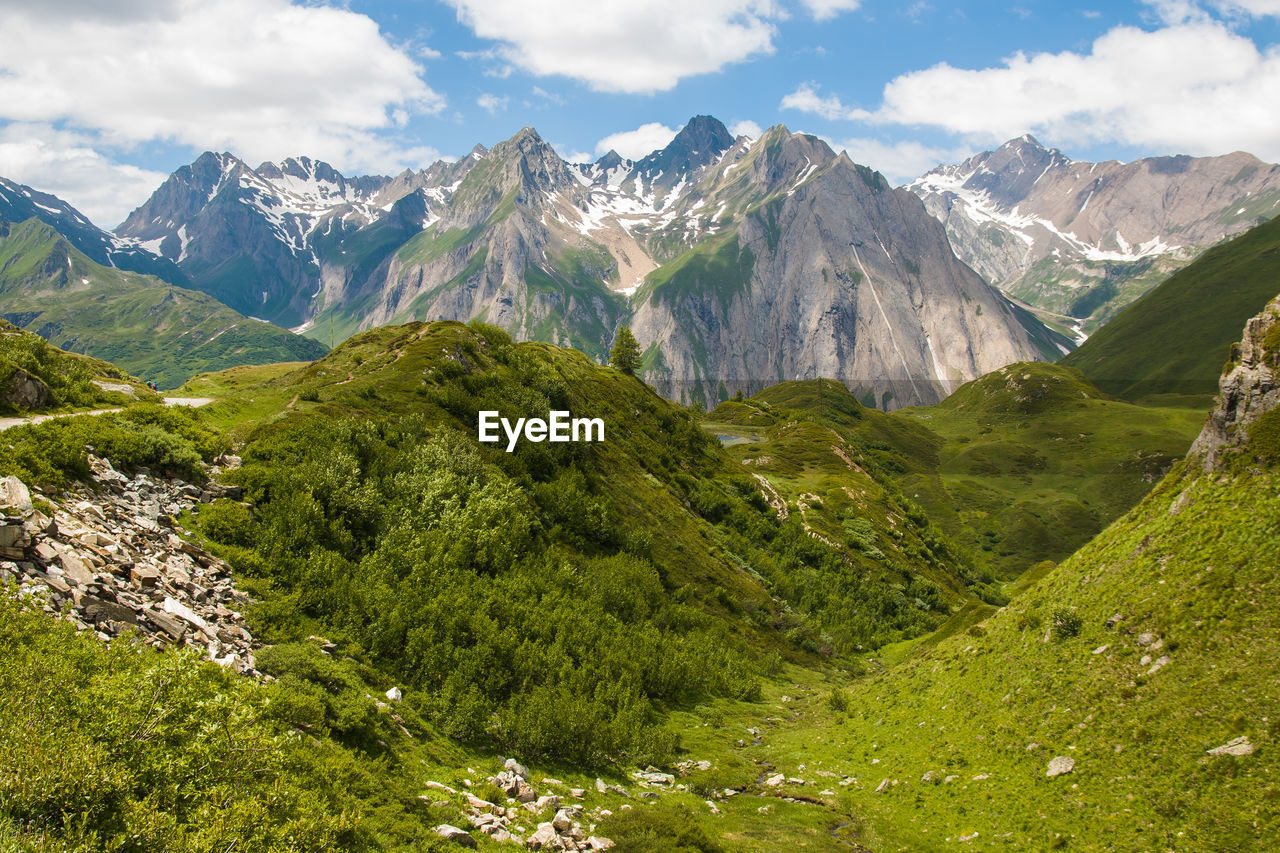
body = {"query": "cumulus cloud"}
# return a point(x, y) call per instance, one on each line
point(1254, 8)
point(823, 10)
point(1196, 87)
point(66, 165)
point(625, 46)
point(634, 144)
point(262, 78)
point(807, 100)
point(492, 104)
point(746, 127)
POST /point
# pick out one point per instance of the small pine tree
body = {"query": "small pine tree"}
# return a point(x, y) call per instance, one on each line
point(625, 355)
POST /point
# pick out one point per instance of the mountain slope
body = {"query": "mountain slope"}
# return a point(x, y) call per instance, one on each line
point(1078, 241)
point(1144, 665)
point(144, 325)
point(1022, 465)
point(856, 275)
point(19, 203)
point(1174, 340)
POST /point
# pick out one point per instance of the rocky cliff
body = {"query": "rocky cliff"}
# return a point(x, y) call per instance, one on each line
point(1244, 417)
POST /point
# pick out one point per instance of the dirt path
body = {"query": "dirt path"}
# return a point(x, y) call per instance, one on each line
point(6, 423)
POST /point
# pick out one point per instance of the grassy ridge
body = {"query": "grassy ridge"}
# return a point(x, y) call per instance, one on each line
point(1174, 340)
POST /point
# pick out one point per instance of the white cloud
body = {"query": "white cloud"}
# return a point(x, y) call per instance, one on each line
point(807, 100)
point(66, 165)
point(634, 144)
point(540, 92)
point(1195, 87)
point(491, 103)
point(625, 46)
point(262, 78)
point(1255, 8)
point(746, 127)
point(898, 161)
point(823, 10)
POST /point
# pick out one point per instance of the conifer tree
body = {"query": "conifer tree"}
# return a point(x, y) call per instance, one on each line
point(625, 355)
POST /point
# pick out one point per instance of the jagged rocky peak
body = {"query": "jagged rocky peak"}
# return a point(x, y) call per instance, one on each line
point(1009, 172)
point(611, 160)
point(533, 163)
point(1247, 390)
point(182, 196)
point(701, 142)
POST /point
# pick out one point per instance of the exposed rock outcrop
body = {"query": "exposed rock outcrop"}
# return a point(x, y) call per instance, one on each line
point(110, 561)
point(23, 391)
point(1247, 389)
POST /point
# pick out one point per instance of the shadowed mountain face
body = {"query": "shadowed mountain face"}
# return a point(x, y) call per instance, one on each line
point(1078, 241)
point(739, 262)
point(146, 326)
point(19, 203)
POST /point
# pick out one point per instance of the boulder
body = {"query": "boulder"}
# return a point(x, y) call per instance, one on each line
point(1239, 747)
point(1060, 765)
point(458, 836)
point(544, 838)
point(517, 768)
point(21, 390)
point(14, 495)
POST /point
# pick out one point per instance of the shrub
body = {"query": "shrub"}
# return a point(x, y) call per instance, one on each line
point(1065, 623)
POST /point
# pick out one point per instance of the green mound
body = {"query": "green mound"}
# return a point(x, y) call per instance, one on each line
point(1026, 388)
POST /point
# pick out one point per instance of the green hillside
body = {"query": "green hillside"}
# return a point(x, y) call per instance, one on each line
point(151, 329)
point(1022, 465)
point(1172, 342)
point(70, 381)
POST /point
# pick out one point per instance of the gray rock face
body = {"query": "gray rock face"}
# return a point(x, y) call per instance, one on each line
point(839, 277)
point(1247, 390)
point(1081, 240)
point(254, 238)
point(24, 391)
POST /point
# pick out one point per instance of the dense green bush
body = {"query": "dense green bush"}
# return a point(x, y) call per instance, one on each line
point(67, 377)
point(503, 591)
point(166, 440)
point(127, 749)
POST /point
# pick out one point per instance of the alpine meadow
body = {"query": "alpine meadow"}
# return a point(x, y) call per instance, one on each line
point(521, 457)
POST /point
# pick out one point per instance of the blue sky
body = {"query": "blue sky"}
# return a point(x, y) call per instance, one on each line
point(98, 105)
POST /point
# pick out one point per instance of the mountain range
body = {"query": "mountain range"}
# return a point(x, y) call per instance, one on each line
point(737, 262)
point(1077, 241)
point(147, 326)
point(714, 249)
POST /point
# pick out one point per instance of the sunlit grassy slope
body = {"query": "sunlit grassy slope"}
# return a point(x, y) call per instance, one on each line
point(1171, 343)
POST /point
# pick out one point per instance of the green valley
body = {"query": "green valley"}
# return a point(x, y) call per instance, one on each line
point(791, 622)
